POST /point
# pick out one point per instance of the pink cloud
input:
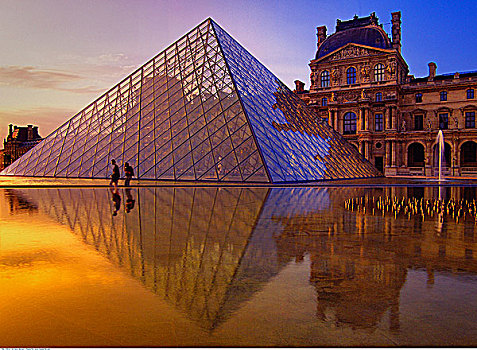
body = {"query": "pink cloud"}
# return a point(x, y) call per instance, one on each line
point(51, 79)
point(28, 76)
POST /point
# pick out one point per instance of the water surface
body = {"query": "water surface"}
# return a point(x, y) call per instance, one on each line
point(237, 266)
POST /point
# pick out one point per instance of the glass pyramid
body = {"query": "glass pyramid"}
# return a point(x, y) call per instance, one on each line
point(204, 109)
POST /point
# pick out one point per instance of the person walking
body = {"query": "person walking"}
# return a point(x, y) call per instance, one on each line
point(129, 172)
point(114, 175)
point(116, 200)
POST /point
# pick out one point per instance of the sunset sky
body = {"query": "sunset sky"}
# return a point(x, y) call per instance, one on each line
point(59, 55)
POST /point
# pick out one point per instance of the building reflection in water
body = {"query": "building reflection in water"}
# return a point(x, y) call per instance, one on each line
point(208, 250)
point(17, 203)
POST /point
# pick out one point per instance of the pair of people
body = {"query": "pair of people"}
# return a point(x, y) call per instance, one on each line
point(117, 201)
point(128, 172)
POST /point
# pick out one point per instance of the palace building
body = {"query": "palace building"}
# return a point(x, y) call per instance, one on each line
point(20, 139)
point(361, 85)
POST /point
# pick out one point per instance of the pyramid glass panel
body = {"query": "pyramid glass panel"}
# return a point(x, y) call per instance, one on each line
point(204, 109)
point(289, 135)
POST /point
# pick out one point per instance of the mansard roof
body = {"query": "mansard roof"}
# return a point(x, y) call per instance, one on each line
point(364, 31)
point(445, 76)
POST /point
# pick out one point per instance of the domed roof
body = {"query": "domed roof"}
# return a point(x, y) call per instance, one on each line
point(354, 32)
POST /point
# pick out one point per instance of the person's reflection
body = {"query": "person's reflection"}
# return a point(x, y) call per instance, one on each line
point(129, 200)
point(116, 200)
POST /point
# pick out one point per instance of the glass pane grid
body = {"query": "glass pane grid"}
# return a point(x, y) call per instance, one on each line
point(286, 130)
point(180, 117)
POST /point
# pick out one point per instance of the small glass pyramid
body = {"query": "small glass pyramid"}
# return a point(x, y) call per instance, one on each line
point(204, 109)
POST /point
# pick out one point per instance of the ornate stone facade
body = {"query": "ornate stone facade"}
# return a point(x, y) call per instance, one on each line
point(19, 141)
point(361, 84)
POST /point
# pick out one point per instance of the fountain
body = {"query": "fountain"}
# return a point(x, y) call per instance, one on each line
point(440, 142)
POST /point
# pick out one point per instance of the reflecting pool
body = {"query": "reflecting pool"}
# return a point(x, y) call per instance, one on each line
point(172, 266)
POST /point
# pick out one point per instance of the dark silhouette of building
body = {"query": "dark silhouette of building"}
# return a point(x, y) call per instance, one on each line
point(20, 140)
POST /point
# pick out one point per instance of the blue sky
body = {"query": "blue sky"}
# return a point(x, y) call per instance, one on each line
point(59, 55)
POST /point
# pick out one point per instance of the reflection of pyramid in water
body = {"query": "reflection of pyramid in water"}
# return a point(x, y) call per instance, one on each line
point(203, 109)
point(194, 247)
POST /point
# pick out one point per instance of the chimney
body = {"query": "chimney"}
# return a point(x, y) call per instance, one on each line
point(432, 71)
point(321, 35)
point(299, 86)
point(29, 132)
point(396, 30)
point(10, 129)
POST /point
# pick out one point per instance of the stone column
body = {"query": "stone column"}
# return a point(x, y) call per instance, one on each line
point(389, 118)
point(428, 159)
point(361, 120)
point(394, 118)
point(405, 155)
point(366, 120)
point(400, 155)
point(393, 153)
point(337, 121)
point(455, 158)
point(387, 144)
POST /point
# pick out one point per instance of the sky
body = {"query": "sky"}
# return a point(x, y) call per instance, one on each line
point(57, 56)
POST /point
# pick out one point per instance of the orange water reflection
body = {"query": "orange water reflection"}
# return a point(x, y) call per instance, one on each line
point(232, 266)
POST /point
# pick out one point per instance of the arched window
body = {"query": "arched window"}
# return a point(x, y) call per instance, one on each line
point(379, 72)
point(324, 101)
point(349, 123)
point(468, 154)
point(351, 75)
point(415, 155)
point(379, 97)
point(325, 78)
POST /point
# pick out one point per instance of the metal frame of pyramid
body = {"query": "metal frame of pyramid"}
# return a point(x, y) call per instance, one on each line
point(204, 109)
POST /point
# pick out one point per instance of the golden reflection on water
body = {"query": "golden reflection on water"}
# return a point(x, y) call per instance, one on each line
point(236, 267)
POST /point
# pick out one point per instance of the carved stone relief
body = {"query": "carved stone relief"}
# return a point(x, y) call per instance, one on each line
point(336, 75)
point(350, 51)
point(349, 96)
point(391, 69)
point(365, 72)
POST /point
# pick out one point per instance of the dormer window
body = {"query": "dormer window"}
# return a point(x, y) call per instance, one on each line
point(351, 76)
point(418, 97)
point(325, 79)
point(379, 72)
